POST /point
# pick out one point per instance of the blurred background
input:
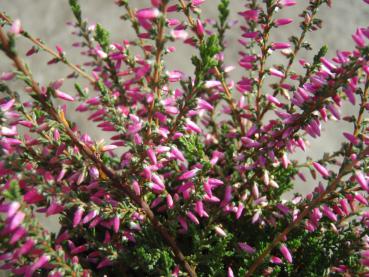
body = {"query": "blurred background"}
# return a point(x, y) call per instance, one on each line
point(47, 19)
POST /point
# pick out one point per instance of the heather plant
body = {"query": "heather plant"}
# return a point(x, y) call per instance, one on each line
point(193, 180)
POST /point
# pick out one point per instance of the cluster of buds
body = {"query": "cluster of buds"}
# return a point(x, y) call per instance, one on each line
point(193, 178)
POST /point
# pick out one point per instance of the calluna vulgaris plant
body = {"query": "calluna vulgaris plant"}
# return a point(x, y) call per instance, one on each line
point(193, 180)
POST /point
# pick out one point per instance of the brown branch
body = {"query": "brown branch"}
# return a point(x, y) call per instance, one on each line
point(117, 182)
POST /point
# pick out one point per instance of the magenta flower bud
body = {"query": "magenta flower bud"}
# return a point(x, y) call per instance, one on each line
point(4, 107)
point(77, 216)
point(170, 203)
point(212, 83)
point(54, 208)
point(79, 249)
point(156, 187)
point(230, 272)
point(24, 249)
point(276, 260)
point(10, 208)
point(104, 263)
point(247, 248)
point(286, 253)
point(255, 191)
point(178, 154)
point(360, 198)
point(91, 215)
point(17, 235)
point(200, 28)
point(280, 45)
point(64, 96)
point(57, 84)
point(199, 208)
point(16, 220)
point(151, 155)
point(276, 73)
point(16, 28)
point(43, 260)
point(116, 224)
point(321, 169)
point(136, 187)
point(240, 209)
point(179, 34)
point(283, 21)
point(220, 231)
point(287, 3)
point(148, 13)
point(360, 178)
point(329, 213)
point(350, 137)
point(189, 174)
point(193, 218)
point(190, 125)
point(94, 172)
point(7, 76)
point(345, 206)
point(110, 147)
point(203, 105)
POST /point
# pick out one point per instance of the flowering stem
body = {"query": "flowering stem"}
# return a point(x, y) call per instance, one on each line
point(344, 170)
point(218, 74)
point(293, 56)
point(263, 58)
point(86, 150)
point(50, 51)
point(160, 40)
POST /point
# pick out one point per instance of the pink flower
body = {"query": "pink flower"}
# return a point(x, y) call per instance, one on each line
point(351, 138)
point(77, 216)
point(63, 95)
point(360, 178)
point(329, 213)
point(190, 125)
point(152, 156)
point(287, 3)
point(321, 169)
point(16, 220)
point(16, 28)
point(148, 13)
point(116, 224)
point(286, 253)
point(247, 248)
point(199, 28)
point(179, 34)
point(283, 21)
point(110, 147)
point(220, 231)
point(44, 259)
point(193, 218)
point(280, 45)
point(189, 174)
point(230, 272)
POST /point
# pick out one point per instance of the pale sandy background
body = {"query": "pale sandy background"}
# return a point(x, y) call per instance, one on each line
point(46, 19)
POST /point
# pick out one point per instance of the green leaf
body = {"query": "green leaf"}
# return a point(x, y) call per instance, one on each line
point(13, 192)
point(102, 36)
point(76, 9)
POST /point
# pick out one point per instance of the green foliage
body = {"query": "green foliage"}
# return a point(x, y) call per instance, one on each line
point(76, 9)
point(224, 11)
point(208, 49)
point(102, 36)
point(13, 192)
